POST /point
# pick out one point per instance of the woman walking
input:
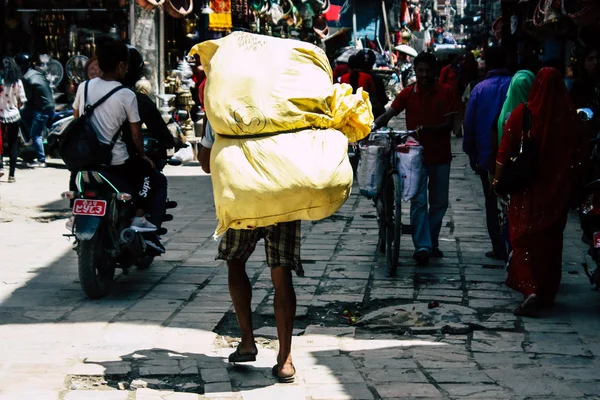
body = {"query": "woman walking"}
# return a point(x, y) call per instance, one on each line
point(537, 215)
point(518, 93)
point(11, 100)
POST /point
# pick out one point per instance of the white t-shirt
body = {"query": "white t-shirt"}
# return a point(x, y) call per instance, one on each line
point(110, 115)
point(9, 102)
point(209, 137)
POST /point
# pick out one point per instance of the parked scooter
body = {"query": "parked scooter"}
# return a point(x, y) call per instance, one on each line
point(50, 136)
point(103, 208)
point(589, 211)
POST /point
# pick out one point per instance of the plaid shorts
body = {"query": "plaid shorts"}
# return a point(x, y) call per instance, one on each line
point(282, 245)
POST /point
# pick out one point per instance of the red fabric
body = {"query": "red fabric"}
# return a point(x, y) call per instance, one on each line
point(201, 92)
point(404, 15)
point(449, 77)
point(340, 70)
point(536, 263)
point(333, 14)
point(428, 108)
point(365, 81)
point(560, 144)
point(537, 215)
point(415, 26)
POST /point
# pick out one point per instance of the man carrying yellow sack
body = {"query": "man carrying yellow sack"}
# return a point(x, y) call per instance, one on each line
point(277, 151)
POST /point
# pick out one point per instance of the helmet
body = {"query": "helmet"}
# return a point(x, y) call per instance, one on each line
point(24, 61)
point(135, 69)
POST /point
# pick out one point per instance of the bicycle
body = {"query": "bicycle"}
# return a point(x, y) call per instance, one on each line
point(388, 202)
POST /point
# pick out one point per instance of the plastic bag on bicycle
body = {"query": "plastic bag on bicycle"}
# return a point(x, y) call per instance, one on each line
point(410, 168)
point(371, 167)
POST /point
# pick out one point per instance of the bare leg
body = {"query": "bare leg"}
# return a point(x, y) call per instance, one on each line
point(285, 312)
point(241, 296)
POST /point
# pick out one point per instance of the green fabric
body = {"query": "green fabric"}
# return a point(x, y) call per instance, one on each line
point(518, 92)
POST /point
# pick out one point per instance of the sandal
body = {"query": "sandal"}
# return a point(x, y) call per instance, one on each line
point(529, 308)
point(283, 379)
point(237, 357)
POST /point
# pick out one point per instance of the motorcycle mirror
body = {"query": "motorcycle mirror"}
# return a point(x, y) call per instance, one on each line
point(174, 162)
point(586, 114)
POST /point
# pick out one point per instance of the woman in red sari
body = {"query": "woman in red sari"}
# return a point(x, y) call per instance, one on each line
point(538, 214)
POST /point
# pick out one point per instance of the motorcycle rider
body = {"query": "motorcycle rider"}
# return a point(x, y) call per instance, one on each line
point(156, 129)
point(134, 167)
point(38, 109)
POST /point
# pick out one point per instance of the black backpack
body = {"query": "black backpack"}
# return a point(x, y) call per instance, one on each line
point(79, 145)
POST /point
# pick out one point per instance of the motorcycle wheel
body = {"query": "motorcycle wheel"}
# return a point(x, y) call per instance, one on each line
point(145, 262)
point(96, 269)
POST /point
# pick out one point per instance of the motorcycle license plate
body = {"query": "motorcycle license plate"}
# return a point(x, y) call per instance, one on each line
point(597, 240)
point(96, 208)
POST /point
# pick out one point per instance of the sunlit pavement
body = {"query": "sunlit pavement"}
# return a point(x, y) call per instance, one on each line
point(159, 334)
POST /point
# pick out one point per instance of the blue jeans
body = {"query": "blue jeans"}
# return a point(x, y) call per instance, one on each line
point(36, 132)
point(427, 221)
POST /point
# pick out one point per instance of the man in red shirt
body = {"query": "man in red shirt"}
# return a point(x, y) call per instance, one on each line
point(430, 107)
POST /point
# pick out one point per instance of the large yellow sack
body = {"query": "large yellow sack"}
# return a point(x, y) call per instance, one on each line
point(297, 176)
point(290, 161)
point(260, 84)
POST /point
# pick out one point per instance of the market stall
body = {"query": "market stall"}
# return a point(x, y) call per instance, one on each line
point(61, 36)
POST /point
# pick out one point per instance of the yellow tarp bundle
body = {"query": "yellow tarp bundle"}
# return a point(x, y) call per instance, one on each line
point(292, 164)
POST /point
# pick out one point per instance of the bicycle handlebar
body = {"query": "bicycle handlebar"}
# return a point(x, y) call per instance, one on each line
point(396, 132)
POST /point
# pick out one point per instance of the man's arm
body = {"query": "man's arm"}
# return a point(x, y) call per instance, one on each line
point(386, 117)
point(204, 159)
point(207, 142)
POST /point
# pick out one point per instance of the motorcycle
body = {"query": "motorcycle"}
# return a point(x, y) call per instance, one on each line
point(50, 136)
point(103, 207)
point(589, 211)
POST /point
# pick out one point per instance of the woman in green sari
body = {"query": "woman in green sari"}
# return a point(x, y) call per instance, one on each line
point(518, 92)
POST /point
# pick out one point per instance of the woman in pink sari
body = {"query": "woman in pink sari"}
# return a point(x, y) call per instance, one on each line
point(538, 214)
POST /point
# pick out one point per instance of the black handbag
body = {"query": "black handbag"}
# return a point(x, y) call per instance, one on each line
point(519, 170)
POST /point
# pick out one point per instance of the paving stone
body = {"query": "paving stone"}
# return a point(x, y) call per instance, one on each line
point(516, 360)
point(326, 375)
point(497, 342)
point(408, 390)
point(287, 392)
point(478, 391)
point(213, 375)
point(93, 395)
point(349, 391)
point(217, 389)
point(532, 381)
point(459, 376)
point(380, 376)
point(555, 343)
point(349, 331)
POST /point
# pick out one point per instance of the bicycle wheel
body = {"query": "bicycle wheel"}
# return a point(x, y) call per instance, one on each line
point(381, 224)
point(393, 221)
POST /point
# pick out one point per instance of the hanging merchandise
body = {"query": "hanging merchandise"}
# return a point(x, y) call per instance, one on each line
point(320, 27)
point(150, 4)
point(583, 13)
point(239, 13)
point(179, 8)
point(220, 19)
point(415, 26)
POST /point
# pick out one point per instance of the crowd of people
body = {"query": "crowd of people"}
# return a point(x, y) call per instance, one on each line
point(525, 227)
point(26, 106)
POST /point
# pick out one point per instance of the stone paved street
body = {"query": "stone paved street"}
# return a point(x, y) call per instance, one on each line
point(165, 333)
